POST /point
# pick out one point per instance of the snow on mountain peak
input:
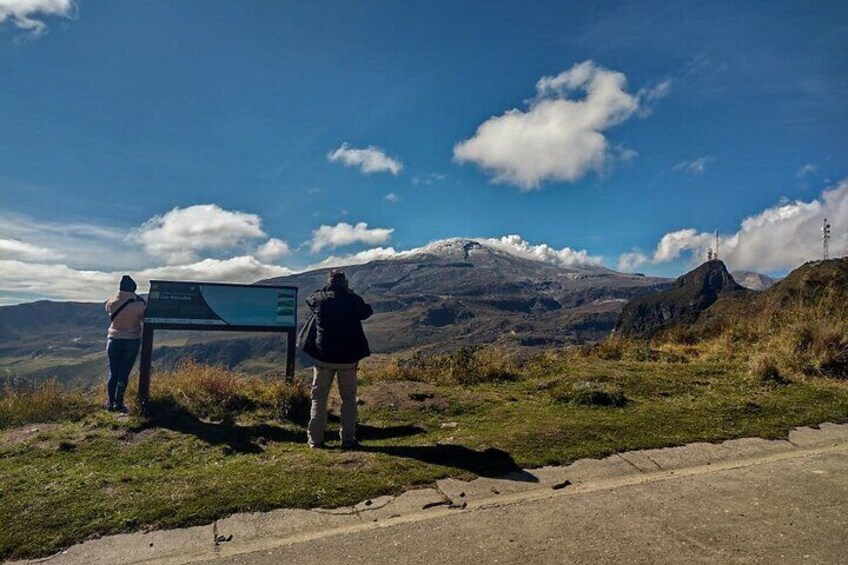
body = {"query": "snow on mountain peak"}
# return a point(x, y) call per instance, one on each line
point(513, 245)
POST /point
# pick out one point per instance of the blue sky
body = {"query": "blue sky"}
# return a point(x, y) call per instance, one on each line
point(116, 118)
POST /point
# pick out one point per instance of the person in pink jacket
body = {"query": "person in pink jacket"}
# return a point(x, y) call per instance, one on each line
point(126, 312)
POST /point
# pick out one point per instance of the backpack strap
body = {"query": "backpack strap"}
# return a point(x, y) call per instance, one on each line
point(114, 314)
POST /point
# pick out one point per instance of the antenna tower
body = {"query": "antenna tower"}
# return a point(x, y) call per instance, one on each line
point(715, 253)
point(825, 240)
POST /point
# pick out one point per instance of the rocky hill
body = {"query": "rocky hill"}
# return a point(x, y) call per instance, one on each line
point(707, 301)
point(691, 295)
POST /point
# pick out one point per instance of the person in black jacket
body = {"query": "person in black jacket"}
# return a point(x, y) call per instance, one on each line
point(337, 343)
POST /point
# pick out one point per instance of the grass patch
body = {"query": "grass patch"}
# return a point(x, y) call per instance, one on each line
point(43, 402)
point(220, 443)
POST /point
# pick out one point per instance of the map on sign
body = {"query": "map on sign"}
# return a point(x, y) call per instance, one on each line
point(217, 304)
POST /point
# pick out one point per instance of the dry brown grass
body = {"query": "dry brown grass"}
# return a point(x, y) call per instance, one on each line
point(466, 366)
point(46, 402)
point(215, 393)
point(801, 337)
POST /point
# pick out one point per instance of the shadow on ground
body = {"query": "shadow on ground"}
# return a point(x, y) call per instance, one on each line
point(239, 438)
point(247, 438)
point(492, 462)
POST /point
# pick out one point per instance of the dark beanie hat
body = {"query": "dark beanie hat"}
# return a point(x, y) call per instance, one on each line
point(336, 277)
point(127, 284)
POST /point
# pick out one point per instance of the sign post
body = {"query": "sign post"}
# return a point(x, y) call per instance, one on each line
point(198, 306)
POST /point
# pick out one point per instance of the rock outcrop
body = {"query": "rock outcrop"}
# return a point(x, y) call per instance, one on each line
point(692, 294)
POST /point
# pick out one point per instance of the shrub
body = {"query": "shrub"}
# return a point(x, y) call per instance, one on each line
point(619, 349)
point(589, 394)
point(465, 366)
point(46, 402)
point(215, 393)
point(763, 371)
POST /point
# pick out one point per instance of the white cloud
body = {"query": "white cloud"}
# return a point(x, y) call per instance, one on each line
point(180, 234)
point(243, 269)
point(369, 160)
point(61, 282)
point(564, 257)
point(428, 179)
point(392, 197)
point(808, 169)
point(778, 238)
point(20, 250)
point(88, 245)
point(695, 166)
point(366, 256)
point(629, 262)
point(345, 234)
point(558, 138)
point(272, 249)
point(26, 14)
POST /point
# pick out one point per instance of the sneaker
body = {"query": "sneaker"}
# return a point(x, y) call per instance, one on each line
point(122, 409)
point(109, 407)
point(317, 445)
point(350, 446)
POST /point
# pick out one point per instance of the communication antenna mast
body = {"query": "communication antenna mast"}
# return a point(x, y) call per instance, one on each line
point(825, 240)
point(715, 254)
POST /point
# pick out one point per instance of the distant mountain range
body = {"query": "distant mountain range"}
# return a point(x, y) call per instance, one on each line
point(451, 293)
point(752, 280)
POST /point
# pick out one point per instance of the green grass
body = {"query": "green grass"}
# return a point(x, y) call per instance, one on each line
point(98, 473)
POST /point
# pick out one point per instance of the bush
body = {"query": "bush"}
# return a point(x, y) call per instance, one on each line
point(466, 366)
point(763, 371)
point(46, 402)
point(215, 393)
point(589, 394)
point(619, 349)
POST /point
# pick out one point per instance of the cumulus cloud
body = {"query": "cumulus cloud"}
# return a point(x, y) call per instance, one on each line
point(345, 234)
point(242, 269)
point(778, 238)
point(369, 160)
point(362, 257)
point(272, 250)
point(695, 166)
point(629, 262)
point(392, 197)
point(564, 257)
point(21, 250)
point(560, 137)
point(27, 15)
point(178, 235)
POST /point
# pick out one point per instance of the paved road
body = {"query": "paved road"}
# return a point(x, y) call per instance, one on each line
point(744, 501)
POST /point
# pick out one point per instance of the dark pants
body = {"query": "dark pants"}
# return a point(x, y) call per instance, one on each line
point(122, 354)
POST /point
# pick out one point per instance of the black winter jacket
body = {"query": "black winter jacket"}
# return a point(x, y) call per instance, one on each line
point(338, 315)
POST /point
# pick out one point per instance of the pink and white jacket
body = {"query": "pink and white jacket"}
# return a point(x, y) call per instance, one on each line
point(127, 324)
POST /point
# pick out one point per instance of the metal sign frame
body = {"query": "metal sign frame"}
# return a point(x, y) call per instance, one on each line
point(146, 354)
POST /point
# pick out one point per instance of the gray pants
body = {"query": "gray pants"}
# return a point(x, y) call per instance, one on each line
point(322, 380)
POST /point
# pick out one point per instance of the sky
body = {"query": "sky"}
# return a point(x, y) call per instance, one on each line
point(237, 140)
